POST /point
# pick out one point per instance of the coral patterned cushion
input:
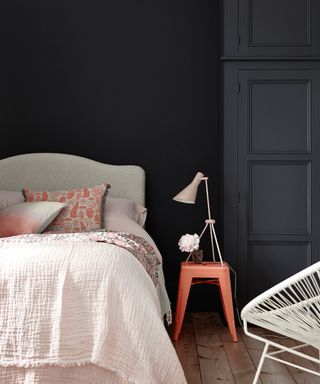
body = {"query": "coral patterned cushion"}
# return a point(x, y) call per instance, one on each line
point(83, 210)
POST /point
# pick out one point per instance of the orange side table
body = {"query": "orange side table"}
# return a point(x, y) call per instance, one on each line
point(215, 273)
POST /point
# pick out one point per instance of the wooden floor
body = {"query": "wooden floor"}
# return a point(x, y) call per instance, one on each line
point(208, 355)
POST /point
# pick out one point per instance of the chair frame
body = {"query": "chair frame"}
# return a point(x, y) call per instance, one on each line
point(266, 354)
point(291, 309)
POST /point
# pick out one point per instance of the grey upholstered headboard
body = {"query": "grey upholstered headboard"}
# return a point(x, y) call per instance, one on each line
point(55, 171)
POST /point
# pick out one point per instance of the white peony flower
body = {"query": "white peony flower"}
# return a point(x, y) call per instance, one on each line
point(189, 243)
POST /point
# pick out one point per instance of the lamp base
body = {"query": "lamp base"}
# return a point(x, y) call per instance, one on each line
point(209, 223)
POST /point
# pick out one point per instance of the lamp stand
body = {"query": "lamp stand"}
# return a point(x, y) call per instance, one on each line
point(209, 223)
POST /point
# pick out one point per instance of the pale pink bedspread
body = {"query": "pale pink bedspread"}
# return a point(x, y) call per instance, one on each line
point(71, 310)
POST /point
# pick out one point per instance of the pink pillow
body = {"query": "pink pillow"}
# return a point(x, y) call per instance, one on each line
point(83, 207)
point(20, 219)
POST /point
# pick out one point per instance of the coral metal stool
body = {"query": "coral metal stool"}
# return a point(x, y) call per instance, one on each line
point(215, 273)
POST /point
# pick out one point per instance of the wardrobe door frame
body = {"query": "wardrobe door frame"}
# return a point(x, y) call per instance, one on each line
point(233, 234)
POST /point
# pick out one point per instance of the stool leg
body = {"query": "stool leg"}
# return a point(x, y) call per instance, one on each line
point(183, 293)
point(226, 298)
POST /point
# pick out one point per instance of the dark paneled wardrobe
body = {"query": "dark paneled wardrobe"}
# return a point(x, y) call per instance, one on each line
point(271, 137)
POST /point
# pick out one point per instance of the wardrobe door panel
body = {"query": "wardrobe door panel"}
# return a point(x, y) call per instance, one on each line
point(279, 27)
point(264, 260)
point(273, 118)
point(278, 175)
point(279, 197)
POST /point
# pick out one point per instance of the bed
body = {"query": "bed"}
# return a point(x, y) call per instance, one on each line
point(77, 309)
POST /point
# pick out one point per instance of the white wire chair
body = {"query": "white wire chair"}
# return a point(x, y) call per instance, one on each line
point(291, 308)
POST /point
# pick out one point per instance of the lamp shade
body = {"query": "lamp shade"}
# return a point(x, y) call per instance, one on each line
point(189, 194)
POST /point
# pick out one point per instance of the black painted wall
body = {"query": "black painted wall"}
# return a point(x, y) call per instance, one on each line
point(123, 82)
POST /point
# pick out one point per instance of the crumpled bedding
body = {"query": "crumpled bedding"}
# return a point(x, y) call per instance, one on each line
point(80, 304)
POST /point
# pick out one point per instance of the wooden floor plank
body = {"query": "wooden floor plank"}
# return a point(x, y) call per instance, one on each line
point(208, 355)
point(187, 352)
point(240, 361)
point(214, 364)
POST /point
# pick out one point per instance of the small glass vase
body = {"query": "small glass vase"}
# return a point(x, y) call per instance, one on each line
point(197, 256)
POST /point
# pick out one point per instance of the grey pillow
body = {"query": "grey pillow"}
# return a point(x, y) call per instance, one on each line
point(125, 208)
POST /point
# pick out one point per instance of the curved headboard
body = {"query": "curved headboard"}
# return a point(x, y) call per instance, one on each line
point(55, 171)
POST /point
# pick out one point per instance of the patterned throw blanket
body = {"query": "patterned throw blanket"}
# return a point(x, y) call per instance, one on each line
point(136, 245)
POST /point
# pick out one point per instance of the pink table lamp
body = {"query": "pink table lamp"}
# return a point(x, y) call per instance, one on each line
point(188, 195)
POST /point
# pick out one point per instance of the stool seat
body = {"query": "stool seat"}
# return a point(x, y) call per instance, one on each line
point(215, 273)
